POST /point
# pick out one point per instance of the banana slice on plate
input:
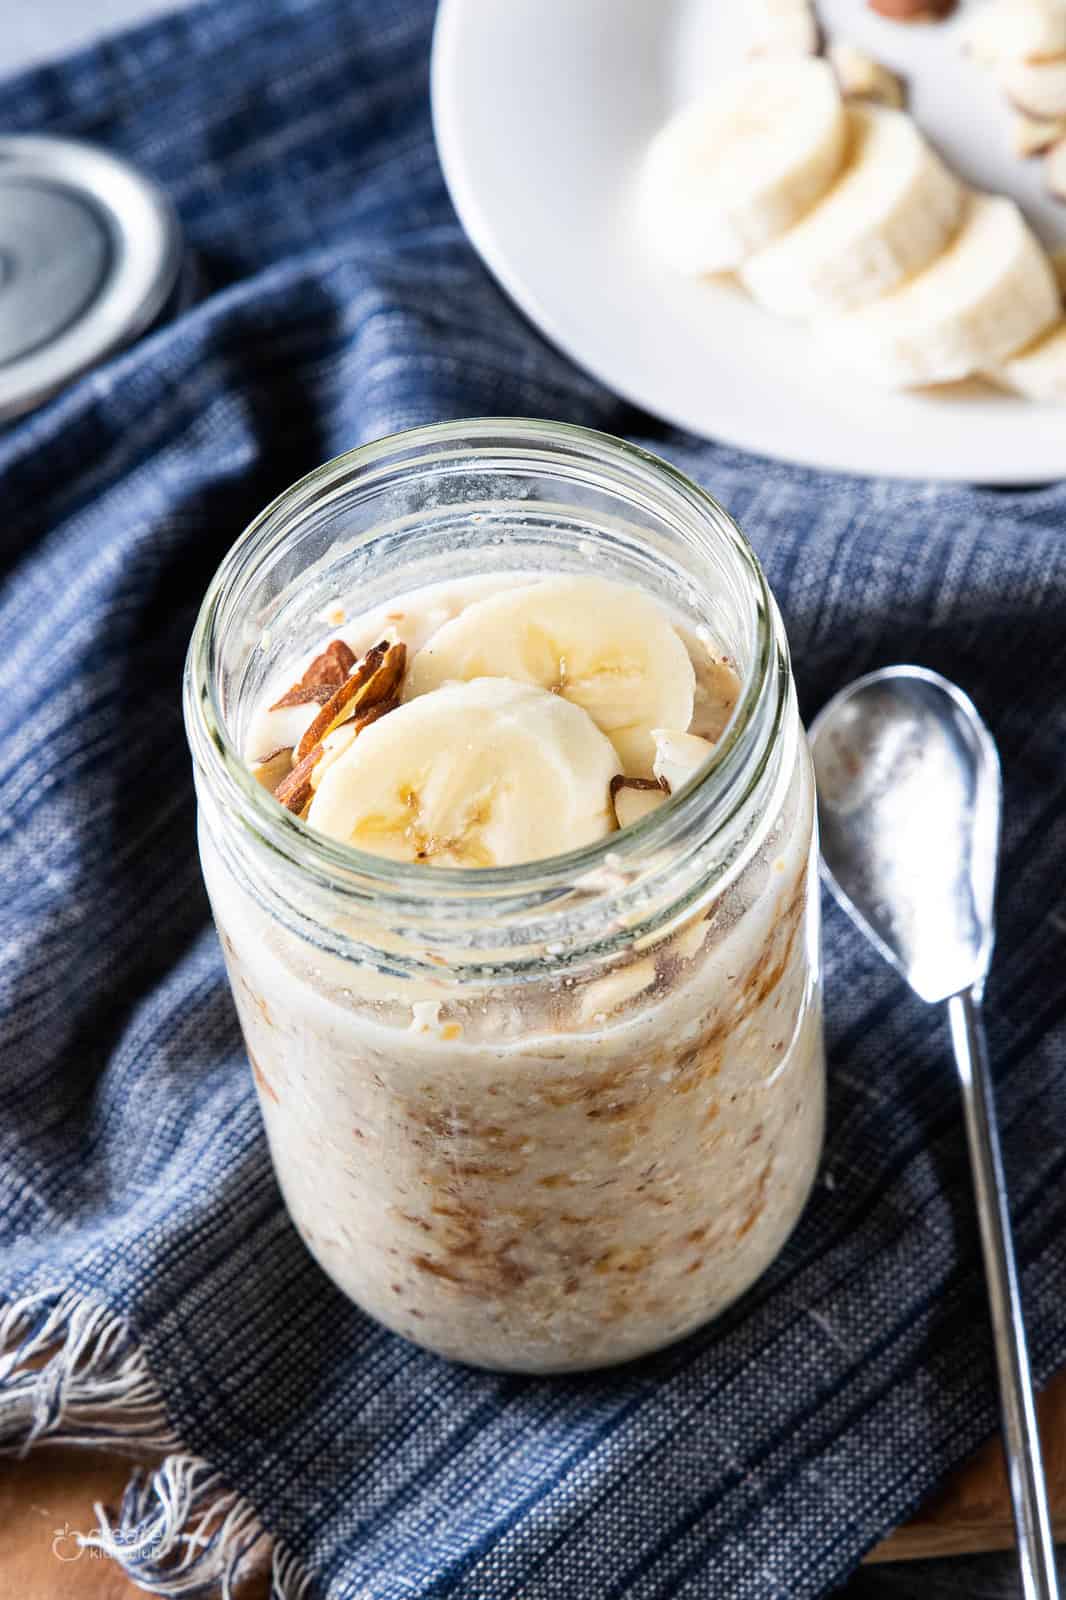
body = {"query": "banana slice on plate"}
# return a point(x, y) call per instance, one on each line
point(741, 164)
point(1039, 370)
point(604, 646)
point(890, 213)
point(990, 292)
point(488, 773)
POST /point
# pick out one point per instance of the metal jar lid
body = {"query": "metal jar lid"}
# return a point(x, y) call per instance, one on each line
point(89, 254)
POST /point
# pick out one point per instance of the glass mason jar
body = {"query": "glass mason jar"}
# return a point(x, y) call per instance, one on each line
point(541, 1117)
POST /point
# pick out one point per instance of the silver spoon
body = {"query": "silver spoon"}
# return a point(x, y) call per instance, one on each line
point(909, 807)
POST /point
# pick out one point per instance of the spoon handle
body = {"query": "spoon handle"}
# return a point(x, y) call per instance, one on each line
point(1021, 1441)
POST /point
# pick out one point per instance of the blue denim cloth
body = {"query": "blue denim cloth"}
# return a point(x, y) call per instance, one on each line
point(338, 300)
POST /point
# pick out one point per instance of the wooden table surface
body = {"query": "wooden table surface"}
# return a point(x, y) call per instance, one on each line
point(50, 1495)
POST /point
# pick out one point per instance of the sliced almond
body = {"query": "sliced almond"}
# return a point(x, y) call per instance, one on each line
point(606, 995)
point(677, 756)
point(1032, 136)
point(1055, 175)
point(363, 720)
point(335, 744)
point(913, 10)
point(297, 790)
point(690, 941)
point(634, 798)
point(1037, 88)
point(375, 679)
point(323, 677)
point(862, 78)
point(273, 769)
point(1015, 30)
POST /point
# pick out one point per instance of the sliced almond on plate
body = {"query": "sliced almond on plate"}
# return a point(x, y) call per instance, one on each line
point(1015, 30)
point(862, 78)
point(1032, 136)
point(1037, 88)
point(913, 10)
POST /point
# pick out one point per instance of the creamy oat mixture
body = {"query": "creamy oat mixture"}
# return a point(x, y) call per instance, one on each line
point(574, 1171)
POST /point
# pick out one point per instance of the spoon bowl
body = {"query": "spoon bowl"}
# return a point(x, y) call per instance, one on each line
point(909, 810)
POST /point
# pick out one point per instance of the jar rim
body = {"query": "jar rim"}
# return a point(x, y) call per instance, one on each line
point(723, 784)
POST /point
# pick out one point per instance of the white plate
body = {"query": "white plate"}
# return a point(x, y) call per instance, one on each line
point(542, 109)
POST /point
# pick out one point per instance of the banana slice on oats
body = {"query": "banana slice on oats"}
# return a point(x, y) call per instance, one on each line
point(486, 773)
point(603, 646)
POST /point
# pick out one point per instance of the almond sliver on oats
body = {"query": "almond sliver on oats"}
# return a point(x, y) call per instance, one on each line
point(322, 679)
point(606, 995)
point(273, 769)
point(296, 791)
point(374, 681)
point(634, 798)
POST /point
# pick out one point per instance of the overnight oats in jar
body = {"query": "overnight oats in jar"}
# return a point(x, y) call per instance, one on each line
point(507, 820)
